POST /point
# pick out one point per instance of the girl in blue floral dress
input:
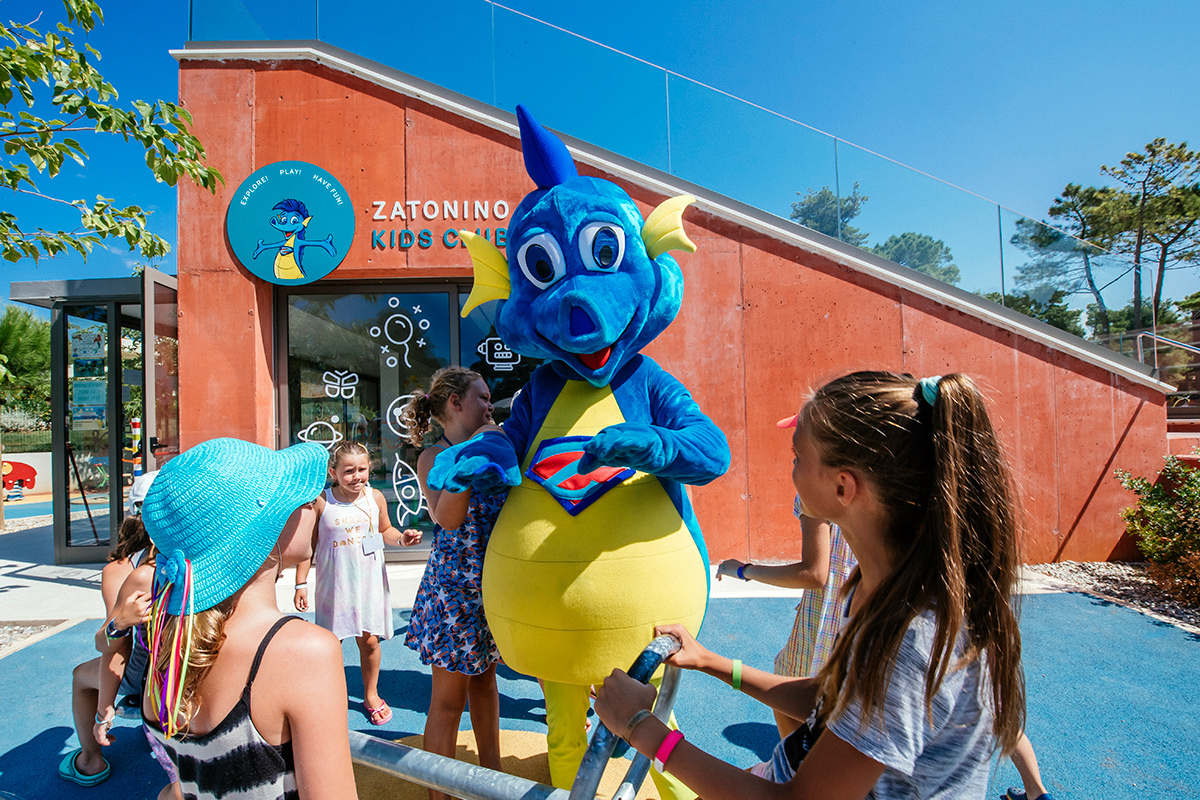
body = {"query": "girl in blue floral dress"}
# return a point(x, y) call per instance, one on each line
point(447, 629)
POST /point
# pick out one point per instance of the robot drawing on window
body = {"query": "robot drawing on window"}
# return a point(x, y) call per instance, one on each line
point(596, 543)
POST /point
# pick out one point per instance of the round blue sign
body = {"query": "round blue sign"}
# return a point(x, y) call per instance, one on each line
point(290, 223)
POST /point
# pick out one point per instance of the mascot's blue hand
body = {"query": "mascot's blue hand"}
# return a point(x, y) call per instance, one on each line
point(486, 463)
point(628, 444)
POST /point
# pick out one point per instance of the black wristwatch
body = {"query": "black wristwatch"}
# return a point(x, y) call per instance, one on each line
point(110, 630)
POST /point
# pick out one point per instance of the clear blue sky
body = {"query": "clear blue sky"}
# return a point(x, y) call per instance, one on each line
point(1011, 102)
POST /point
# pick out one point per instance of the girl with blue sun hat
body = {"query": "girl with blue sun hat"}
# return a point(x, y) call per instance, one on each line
point(238, 695)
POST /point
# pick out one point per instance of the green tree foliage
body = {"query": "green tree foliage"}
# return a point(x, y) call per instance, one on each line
point(921, 252)
point(1053, 310)
point(1155, 209)
point(25, 347)
point(819, 209)
point(83, 102)
point(1124, 319)
point(1166, 524)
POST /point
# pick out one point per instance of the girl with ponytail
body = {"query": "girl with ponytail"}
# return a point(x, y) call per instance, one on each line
point(447, 628)
point(924, 682)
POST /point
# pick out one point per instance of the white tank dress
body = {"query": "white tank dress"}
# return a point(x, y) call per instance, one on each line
point(352, 595)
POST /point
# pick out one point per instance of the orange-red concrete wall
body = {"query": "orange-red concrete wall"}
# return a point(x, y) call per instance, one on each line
point(762, 321)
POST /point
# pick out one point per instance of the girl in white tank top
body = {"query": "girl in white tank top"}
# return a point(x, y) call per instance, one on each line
point(352, 597)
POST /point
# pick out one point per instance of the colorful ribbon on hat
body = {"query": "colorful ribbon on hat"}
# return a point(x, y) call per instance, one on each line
point(166, 691)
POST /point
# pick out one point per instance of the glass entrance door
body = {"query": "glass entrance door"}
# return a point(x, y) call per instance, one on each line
point(159, 429)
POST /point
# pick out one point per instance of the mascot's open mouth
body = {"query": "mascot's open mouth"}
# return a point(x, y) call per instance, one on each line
point(595, 361)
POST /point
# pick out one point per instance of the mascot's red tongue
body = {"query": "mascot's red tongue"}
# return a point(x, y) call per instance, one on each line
point(595, 361)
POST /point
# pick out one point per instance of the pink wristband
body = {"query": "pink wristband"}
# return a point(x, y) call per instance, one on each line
point(665, 749)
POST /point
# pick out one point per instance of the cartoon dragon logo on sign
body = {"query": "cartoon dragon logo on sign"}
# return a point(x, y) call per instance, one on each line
point(596, 543)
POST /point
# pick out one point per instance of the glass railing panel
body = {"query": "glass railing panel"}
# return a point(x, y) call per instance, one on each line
point(922, 223)
point(1057, 278)
point(447, 43)
point(248, 20)
point(582, 89)
point(751, 155)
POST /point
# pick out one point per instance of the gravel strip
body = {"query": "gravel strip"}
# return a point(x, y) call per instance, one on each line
point(25, 523)
point(1123, 581)
point(12, 634)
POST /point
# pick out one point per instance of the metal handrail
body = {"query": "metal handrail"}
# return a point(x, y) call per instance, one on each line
point(471, 782)
point(604, 741)
point(1141, 348)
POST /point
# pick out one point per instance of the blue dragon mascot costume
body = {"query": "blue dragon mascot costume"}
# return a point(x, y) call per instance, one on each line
point(596, 543)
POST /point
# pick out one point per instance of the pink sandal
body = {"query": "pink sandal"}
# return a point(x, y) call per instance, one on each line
point(379, 716)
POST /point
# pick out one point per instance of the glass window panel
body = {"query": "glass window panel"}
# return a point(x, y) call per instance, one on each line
point(586, 89)
point(166, 376)
point(239, 20)
point(353, 362)
point(88, 456)
point(923, 223)
point(481, 349)
point(448, 43)
point(132, 403)
point(746, 153)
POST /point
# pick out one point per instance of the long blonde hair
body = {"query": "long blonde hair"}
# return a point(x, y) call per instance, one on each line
point(182, 651)
point(939, 473)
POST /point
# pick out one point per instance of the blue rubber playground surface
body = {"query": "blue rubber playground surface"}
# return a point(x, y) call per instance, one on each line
point(1114, 709)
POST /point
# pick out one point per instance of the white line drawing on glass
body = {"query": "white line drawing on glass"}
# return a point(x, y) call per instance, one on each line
point(399, 330)
point(322, 433)
point(394, 302)
point(409, 500)
point(416, 310)
point(376, 331)
point(420, 342)
point(340, 383)
point(423, 324)
point(497, 355)
point(392, 361)
point(393, 416)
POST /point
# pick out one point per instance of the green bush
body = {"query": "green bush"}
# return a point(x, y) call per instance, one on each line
point(1166, 524)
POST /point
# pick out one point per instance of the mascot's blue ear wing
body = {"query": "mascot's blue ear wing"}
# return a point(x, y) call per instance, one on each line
point(546, 158)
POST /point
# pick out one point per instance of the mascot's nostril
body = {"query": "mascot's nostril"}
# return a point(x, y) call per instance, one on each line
point(581, 322)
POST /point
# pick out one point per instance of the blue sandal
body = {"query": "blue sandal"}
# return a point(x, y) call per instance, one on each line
point(1017, 794)
point(69, 772)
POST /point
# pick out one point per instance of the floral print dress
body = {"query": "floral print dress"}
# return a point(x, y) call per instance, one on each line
point(447, 628)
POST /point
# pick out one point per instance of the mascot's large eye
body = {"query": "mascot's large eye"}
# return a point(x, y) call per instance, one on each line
point(602, 246)
point(542, 261)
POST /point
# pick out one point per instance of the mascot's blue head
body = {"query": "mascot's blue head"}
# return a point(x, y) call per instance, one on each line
point(587, 282)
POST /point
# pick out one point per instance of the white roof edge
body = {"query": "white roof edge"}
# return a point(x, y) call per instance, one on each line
point(708, 201)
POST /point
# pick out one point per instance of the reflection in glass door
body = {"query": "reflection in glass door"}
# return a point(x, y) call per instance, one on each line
point(160, 327)
point(88, 453)
point(355, 359)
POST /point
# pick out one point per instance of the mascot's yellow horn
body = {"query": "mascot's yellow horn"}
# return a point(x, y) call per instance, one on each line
point(306, 221)
point(491, 272)
point(663, 230)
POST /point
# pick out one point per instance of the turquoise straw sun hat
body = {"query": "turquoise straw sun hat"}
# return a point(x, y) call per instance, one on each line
point(220, 507)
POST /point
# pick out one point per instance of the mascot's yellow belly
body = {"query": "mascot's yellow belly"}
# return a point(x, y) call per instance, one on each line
point(570, 598)
point(285, 264)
